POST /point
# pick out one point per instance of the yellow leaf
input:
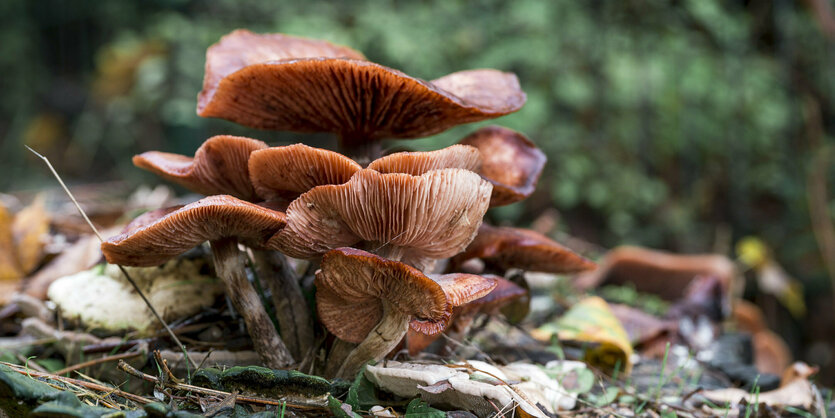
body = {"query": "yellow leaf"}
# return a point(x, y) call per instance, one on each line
point(9, 269)
point(29, 228)
point(592, 321)
point(752, 251)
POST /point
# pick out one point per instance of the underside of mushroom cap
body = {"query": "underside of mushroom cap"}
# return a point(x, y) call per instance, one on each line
point(338, 91)
point(352, 285)
point(519, 248)
point(416, 163)
point(434, 215)
point(219, 166)
point(158, 237)
point(510, 161)
point(288, 171)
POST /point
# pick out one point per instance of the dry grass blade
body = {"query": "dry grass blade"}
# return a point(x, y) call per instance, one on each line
point(87, 385)
point(125, 272)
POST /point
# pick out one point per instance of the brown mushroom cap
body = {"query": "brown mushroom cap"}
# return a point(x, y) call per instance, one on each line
point(662, 273)
point(417, 163)
point(219, 166)
point(303, 85)
point(352, 284)
point(286, 172)
point(507, 247)
point(431, 216)
point(159, 236)
point(510, 161)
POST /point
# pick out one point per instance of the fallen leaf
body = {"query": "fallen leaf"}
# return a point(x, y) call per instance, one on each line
point(795, 390)
point(9, 269)
point(592, 321)
point(29, 228)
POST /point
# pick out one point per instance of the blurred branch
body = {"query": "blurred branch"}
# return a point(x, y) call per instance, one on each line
point(822, 11)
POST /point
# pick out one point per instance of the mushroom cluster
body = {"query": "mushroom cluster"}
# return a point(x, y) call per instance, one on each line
point(374, 225)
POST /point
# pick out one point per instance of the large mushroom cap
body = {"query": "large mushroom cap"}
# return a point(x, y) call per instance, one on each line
point(433, 216)
point(417, 163)
point(160, 235)
point(219, 166)
point(286, 172)
point(352, 285)
point(281, 82)
point(507, 248)
point(510, 161)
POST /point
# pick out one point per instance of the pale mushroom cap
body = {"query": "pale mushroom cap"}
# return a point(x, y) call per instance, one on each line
point(157, 237)
point(510, 161)
point(219, 166)
point(318, 87)
point(524, 249)
point(417, 163)
point(352, 284)
point(434, 215)
point(286, 172)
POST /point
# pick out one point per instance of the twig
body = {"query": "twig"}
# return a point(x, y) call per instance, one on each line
point(125, 272)
point(94, 362)
point(211, 392)
point(88, 385)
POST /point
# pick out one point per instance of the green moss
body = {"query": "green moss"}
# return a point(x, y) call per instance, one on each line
point(261, 381)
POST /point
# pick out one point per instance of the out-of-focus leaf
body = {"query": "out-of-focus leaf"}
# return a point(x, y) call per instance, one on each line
point(591, 322)
point(29, 227)
point(9, 269)
point(771, 277)
point(420, 409)
point(752, 251)
point(361, 394)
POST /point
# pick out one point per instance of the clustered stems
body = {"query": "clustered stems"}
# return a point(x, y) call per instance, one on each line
point(360, 150)
point(379, 342)
point(291, 309)
point(231, 268)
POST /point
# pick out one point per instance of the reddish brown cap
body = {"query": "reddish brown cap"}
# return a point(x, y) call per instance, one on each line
point(510, 161)
point(219, 166)
point(507, 247)
point(158, 236)
point(417, 163)
point(286, 172)
point(411, 218)
point(281, 82)
point(662, 273)
point(352, 284)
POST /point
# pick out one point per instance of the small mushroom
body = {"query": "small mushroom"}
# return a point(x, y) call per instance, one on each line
point(222, 220)
point(219, 166)
point(363, 298)
point(511, 162)
point(505, 293)
point(281, 82)
point(504, 247)
point(414, 219)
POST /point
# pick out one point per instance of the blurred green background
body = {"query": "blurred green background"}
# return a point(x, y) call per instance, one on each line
point(683, 125)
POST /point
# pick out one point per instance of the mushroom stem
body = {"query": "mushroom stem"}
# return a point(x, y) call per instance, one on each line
point(230, 267)
point(379, 342)
point(361, 150)
point(291, 309)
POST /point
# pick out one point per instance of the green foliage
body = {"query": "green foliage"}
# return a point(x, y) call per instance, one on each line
point(661, 120)
point(420, 409)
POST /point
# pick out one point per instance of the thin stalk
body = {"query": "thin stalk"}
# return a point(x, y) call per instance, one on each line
point(379, 342)
point(361, 150)
point(231, 268)
point(291, 309)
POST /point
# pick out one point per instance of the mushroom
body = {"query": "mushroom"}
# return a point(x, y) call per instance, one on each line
point(218, 167)
point(288, 171)
point(366, 299)
point(505, 293)
point(511, 162)
point(662, 273)
point(221, 166)
point(414, 219)
point(281, 82)
point(224, 221)
point(504, 247)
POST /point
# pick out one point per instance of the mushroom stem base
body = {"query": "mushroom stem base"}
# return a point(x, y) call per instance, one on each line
point(379, 342)
point(361, 150)
point(291, 309)
point(230, 267)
